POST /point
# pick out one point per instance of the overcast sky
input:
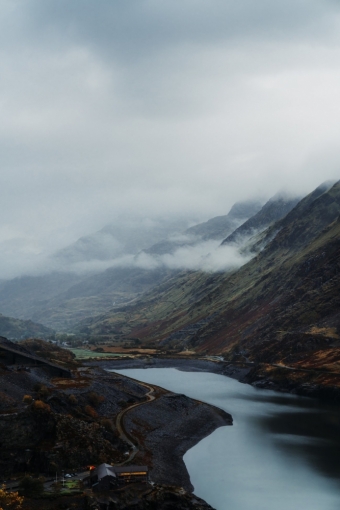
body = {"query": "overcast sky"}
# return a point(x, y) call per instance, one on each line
point(117, 108)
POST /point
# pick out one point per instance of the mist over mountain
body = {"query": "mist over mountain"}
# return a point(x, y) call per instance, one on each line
point(143, 145)
point(218, 227)
point(282, 305)
point(214, 229)
point(296, 213)
point(118, 239)
point(276, 208)
point(108, 269)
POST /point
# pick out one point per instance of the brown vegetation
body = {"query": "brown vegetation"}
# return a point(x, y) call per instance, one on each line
point(39, 406)
point(10, 500)
point(50, 351)
point(91, 412)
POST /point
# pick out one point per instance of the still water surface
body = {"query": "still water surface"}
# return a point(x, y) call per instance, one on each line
point(282, 452)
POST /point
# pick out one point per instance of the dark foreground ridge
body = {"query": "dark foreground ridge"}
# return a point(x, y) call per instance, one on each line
point(14, 354)
point(55, 424)
point(165, 428)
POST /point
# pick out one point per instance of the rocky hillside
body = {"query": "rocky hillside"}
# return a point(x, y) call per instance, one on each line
point(272, 211)
point(52, 424)
point(281, 307)
point(16, 329)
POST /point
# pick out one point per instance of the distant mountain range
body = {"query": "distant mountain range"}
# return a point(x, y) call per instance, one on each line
point(61, 299)
point(282, 307)
point(277, 311)
point(15, 329)
point(272, 211)
point(68, 294)
point(116, 240)
point(169, 300)
point(214, 229)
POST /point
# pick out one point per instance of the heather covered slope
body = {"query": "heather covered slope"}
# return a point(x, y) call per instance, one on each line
point(285, 302)
point(296, 296)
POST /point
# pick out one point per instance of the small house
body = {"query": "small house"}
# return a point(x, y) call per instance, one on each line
point(106, 477)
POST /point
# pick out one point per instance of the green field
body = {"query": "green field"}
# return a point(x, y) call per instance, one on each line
point(86, 353)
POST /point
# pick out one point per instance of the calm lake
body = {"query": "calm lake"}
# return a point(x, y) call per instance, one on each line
point(282, 453)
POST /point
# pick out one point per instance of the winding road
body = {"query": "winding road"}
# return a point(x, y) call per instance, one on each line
point(124, 435)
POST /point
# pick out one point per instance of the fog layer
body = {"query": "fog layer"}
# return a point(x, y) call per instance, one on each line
point(116, 110)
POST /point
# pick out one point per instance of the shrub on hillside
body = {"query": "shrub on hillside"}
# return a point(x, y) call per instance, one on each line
point(91, 412)
point(40, 406)
point(72, 400)
point(95, 399)
point(107, 424)
point(10, 500)
point(31, 487)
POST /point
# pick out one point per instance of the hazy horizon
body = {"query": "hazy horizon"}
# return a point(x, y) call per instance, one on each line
point(130, 110)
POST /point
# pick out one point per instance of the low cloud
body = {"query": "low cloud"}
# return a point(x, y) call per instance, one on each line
point(207, 256)
point(118, 108)
point(105, 249)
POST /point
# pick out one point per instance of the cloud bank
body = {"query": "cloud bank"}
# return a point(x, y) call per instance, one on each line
point(207, 256)
point(119, 109)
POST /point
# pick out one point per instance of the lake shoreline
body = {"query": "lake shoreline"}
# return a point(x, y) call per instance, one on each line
point(280, 379)
point(278, 440)
point(167, 428)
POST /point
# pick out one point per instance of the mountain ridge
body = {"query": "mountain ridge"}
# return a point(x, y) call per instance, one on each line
point(215, 228)
point(16, 329)
point(273, 210)
point(221, 314)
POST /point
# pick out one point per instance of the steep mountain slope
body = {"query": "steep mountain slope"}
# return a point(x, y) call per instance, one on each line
point(299, 212)
point(285, 301)
point(61, 299)
point(218, 227)
point(214, 229)
point(273, 210)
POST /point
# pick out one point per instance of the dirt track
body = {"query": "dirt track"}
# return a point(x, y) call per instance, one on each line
point(124, 435)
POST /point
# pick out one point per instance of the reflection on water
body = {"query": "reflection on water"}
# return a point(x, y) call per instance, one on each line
point(318, 438)
point(282, 452)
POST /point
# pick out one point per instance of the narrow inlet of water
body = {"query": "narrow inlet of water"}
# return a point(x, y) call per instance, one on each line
point(282, 452)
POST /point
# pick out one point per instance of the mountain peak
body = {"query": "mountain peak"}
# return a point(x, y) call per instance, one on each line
point(274, 209)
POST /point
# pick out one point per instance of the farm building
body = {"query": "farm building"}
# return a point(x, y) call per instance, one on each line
point(106, 477)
